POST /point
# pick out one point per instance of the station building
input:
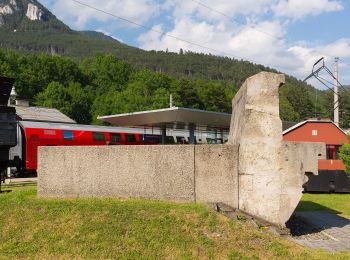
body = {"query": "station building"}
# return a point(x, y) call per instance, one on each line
point(331, 171)
point(320, 130)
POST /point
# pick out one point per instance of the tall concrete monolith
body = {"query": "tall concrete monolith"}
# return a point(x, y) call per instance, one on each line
point(271, 171)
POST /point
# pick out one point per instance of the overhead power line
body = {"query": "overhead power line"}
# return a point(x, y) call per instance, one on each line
point(244, 24)
point(175, 37)
point(233, 19)
point(150, 28)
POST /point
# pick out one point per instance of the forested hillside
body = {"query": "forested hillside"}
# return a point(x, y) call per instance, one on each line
point(85, 74)
point(104, 85)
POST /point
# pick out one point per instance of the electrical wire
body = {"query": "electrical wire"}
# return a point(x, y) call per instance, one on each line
point(338, 101)
point(246, 25)
point(233, 19)
point(175, 37)
point(341, 85)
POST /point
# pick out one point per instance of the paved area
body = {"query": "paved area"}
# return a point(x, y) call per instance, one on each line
point(320, 229)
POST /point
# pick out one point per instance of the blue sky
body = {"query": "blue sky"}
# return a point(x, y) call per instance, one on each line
point(289, 35)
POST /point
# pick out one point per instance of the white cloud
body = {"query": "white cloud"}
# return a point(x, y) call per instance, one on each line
point(259, 36)
point(184, 8)
point(202, 33)
point(139, 11)
point(108, 34)
point(339, 48)
point(296, 59)
point(260, 40)
point(298, 9)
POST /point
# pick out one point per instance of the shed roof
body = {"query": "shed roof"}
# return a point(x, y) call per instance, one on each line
point(175, 117)
point(314, 120)
point(42, 114)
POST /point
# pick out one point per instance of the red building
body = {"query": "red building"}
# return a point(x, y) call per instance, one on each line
point(325, 131)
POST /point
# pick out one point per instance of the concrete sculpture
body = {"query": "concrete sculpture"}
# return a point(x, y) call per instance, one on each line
point(256, 171)
point(271, 172)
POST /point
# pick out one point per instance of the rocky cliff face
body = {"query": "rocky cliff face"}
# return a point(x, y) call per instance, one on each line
point(18, 14)
point(33, 12)
point(28, 25)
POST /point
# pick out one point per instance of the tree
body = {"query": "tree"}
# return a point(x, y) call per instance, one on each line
point(299, 98)
point(344, 154)
point(55, 96)
point(80, 103)
point(287, 112)
point(215, 96)
point(106, 72)
point(186, 94)
point(72, 100)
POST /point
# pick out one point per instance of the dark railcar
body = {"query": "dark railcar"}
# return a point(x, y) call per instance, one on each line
point(8, 126)
point(328, 181)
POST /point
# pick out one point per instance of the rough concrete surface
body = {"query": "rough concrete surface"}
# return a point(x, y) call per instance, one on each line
point(181, 173)
point(216, 174)
point(156, 172)
point(271, 171)
point(256, 171)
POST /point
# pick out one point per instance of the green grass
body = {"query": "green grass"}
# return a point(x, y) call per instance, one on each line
point(337, 203)
point(32, 227)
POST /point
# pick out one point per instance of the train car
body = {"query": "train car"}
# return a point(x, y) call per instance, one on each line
point(331, 171)
point(31, 135)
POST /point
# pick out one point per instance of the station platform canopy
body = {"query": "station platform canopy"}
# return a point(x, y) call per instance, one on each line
point(173, 118)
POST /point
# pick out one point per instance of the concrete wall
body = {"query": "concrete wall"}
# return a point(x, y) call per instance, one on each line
point(182, 173)
point(216, 178)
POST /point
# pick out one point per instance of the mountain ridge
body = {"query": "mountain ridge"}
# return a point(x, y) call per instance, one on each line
point(36, 29)
point(114, 74)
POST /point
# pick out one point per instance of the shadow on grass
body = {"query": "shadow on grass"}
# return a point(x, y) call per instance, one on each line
point(310, 218)
point(312, 206)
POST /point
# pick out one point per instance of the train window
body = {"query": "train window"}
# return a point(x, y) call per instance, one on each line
point(152, 138)
point(68, 135)
point(98, 136)
point(130, 137)
point(115, 138)
point(49, 132)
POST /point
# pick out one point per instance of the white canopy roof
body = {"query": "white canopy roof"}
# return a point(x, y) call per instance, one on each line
point(175, 117)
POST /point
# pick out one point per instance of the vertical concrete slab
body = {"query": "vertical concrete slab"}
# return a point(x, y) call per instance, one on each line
point(216, 174)
point(271, 173)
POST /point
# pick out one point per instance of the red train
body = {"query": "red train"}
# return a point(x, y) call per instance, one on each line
point(34, 134)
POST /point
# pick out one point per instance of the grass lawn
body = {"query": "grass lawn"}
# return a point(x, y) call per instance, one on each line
point(338, 203)
point(132, 229)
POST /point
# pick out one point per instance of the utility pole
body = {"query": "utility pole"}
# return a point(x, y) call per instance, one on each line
point(171, 101)
point(336, 96)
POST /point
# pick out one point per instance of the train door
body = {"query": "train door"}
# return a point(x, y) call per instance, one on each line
point(115, 138)
point(130, 139)
point(32, 154)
